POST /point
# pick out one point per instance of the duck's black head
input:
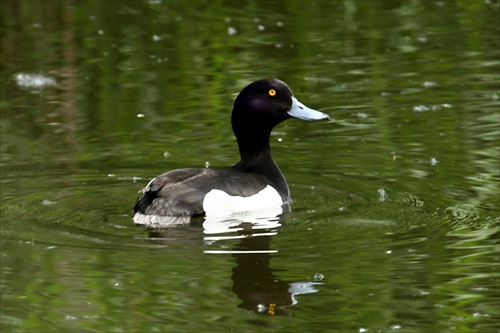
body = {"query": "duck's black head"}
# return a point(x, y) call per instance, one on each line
point(261, 106)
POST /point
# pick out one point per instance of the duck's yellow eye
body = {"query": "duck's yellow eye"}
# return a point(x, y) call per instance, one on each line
point(272, 92)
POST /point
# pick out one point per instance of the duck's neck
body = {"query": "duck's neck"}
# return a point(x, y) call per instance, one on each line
point(256, 158)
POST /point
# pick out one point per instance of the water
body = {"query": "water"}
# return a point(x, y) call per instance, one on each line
point(395, 220)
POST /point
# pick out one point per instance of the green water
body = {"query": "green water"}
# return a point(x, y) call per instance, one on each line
point(396, 204)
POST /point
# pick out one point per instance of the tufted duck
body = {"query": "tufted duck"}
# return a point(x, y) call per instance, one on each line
point(255, 183)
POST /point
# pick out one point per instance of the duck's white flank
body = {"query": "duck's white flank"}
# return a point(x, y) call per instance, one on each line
point(219, 203)
point(161, 221)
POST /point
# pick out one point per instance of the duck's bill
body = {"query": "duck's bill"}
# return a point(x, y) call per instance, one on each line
point(300, 111)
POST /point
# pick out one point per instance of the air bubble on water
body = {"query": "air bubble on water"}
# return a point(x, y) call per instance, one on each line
point(207, 164)
point(382, 196)
point(420, 108)
point(261, 27)
point(140, 115)
point(422, 39)
point(318, 277)
point(434, 161)
point(46, 202)
point(231, 31)
point(428, 84)
point(167, 154)
point(156, 38)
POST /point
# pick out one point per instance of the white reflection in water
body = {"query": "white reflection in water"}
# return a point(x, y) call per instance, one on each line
point(27, 80)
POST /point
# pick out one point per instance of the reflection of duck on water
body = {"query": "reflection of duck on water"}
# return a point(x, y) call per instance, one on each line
point(254, 281)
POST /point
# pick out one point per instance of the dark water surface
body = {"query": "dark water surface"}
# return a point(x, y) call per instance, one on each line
point(395, 221)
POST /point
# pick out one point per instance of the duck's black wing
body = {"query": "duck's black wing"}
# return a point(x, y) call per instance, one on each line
point(181, 192)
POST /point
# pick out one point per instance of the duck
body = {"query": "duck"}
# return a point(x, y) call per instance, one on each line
point(255, 183)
